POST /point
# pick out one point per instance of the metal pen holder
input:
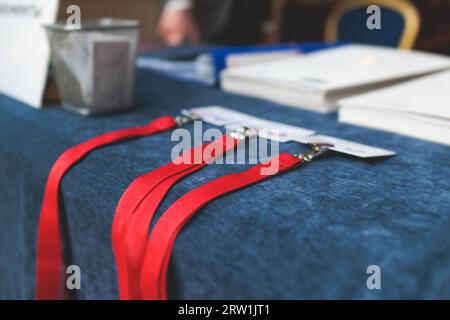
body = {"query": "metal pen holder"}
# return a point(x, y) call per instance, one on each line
point(94, 64)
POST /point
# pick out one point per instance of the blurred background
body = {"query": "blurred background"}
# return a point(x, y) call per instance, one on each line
point(236, 22)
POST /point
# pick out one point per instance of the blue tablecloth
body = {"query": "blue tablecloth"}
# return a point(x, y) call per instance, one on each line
point(310, 233)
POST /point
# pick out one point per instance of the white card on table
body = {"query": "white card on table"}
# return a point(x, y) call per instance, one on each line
point(349, 147)
point(25, 52)
point(219, 116)
point(272, 130)
point(266, 129)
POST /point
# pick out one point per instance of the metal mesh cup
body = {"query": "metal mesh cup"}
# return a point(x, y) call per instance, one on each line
point(94, 64)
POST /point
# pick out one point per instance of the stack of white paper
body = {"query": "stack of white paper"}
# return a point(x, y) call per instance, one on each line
point(316, 81)
point(419, 108)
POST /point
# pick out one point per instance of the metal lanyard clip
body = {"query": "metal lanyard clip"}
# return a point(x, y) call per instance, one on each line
point(186, 117)
point(317, 150)
point(243, 133)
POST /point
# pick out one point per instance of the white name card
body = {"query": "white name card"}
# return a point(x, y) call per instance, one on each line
point(265, 129)
point(349, 147)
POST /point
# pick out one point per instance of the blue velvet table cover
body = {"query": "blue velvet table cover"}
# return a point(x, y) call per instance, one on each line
point(310, 233)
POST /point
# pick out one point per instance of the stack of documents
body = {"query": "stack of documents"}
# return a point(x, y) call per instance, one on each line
point(203, 65)
point(419, 108)
point(316, 81)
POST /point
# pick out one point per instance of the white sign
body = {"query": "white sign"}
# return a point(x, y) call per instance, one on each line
point(25, 52)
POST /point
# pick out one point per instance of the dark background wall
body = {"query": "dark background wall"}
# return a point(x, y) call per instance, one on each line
point(302, 20)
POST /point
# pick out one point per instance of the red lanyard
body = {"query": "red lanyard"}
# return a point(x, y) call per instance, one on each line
point(140, 201)
point(159, 246)
point(49, 252)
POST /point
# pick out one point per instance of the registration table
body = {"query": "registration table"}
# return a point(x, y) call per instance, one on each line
point(310, 233)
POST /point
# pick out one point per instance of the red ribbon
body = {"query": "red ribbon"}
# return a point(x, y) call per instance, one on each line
point(139, 203)
point(49, 252)
point(153, 276)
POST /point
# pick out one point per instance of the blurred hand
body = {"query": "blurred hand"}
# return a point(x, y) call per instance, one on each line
point(177, 27)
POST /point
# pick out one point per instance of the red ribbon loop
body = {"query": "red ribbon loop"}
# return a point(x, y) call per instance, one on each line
point(139, 203)
point(49, 252)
